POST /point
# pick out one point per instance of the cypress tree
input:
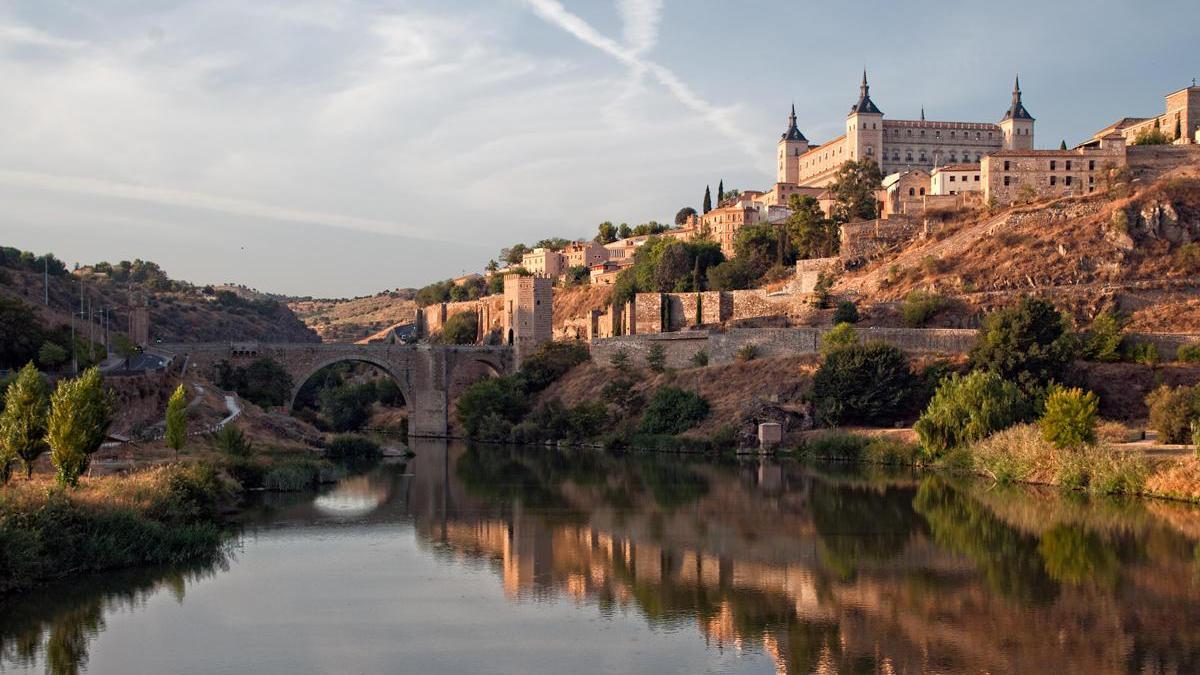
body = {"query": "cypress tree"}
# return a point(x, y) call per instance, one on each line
point(720, 192)
point(177, 420)
point(1063, 145)
point(707, 199)
point(23, 422)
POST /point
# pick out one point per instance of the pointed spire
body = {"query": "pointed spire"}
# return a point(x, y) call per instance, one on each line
point(864, 105)
point(1017, 109)
point(792, 133)
point(922, 113)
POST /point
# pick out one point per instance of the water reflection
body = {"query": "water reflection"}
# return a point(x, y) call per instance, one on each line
point(821, 569)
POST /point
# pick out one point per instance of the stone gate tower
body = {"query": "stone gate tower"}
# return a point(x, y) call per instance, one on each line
point(528, 313)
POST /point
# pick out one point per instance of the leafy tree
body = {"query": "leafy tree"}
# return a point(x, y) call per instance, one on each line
point(731, 275)
point(51, 356)
point(682, 215)
point(966, 409)
point(667, 265)
point(461, 329)
point(348, 407)
point(1030, 344)
point(577, 275)
point(810, 232)
point(491, 266)
point(80, 414)
point(1172, 411)
point(264, 382)
point(846, 312)
point(853, 190)
point(177, 415)
point(842, 335)
point(21, 333)
point(123, 346)
point(499, 397)
point(721, 191)
point(656, 358)
point(553, 243)
point(921, 306)
point(1069, 420)
point(619, 359)
point(551, 361)
point(513, 254)
point(624, 231)
point(606, 233)
point(23, 421)
point(757, 246)
point(862, 384)
point(652, 227)
point(232, 441)
point(388, 393)
point(673, 411)
point(1153, 136)
point(707, 200)
point(1104, 339)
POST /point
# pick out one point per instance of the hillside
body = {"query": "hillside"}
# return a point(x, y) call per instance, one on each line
point(178, 311)
point(1136, 252)
point(349, 320)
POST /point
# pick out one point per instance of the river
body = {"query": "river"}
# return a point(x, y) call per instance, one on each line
point(532, 560)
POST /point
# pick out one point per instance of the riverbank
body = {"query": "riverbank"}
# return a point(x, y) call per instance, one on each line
point(180, 512)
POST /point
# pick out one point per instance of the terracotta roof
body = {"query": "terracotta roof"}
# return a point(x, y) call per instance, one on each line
point(957, 167)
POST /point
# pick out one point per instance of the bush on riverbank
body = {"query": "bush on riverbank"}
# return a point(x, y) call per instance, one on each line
point(1172, 411)
point(840, 446)
point(352, 446)
point(159, 516)
point(1021, 454)
point(862, 384)
point(969, 408)
point(673, 411)
point(489, 409)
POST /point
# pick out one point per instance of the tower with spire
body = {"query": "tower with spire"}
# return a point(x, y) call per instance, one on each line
point(864, 126)
point(792, 144)
point(1017, 123)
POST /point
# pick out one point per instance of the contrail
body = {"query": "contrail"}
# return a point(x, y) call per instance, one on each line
point(196, 200)
point(554, 12)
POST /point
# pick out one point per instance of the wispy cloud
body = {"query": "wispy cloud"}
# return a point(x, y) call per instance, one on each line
point(32, 37)
point(647, 14)
point(197, 200)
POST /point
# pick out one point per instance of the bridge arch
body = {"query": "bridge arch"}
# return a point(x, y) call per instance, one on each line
point(399, 375)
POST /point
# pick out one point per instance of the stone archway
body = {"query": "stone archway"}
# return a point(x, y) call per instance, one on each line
point(400, 378)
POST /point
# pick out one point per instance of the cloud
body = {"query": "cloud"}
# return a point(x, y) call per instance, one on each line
point(646, 17)
point(32, 37)
point(641, 21)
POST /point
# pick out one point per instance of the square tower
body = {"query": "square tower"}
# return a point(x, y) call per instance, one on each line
point(528, 313)
point(1017, 124)
point(792, 144)
point(864, 127)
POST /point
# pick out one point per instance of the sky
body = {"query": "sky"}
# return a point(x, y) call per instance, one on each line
point(342, 147)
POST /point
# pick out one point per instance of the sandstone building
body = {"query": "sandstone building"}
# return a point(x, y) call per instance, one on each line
point(528, 313)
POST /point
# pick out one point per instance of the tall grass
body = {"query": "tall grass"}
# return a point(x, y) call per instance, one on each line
point(1021, 454)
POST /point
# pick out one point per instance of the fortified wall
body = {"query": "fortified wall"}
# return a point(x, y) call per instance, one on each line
point(724, 346)
point(670, 312)
point(489, 311)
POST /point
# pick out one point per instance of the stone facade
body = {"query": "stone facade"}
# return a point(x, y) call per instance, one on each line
point(528, 314)
point(584, 254)
point(871, 239)
point(431, 320)
point(1020, 175)
point(543, 262)
point(1180, 122)
point(808, 272)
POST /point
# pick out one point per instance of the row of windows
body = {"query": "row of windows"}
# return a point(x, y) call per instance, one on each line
point(1054, 165)
point(952, 158)
point(938, 134)
point(964, 178)
point(1067, 180)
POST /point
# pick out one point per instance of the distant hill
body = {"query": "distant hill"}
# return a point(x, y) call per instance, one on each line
point(350, 320)
point(179, 311)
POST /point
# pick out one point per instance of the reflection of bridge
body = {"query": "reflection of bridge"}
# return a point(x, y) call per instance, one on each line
point(429, 376)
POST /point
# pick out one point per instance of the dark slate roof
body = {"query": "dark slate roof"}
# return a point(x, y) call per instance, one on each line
point(1017, 110)
point(792, 133)
point(865, 104)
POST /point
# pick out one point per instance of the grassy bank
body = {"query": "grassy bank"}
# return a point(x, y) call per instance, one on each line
point(1019, 454)
point(163, 515)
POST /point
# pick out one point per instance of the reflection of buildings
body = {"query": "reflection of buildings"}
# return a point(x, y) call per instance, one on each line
point(823, 574)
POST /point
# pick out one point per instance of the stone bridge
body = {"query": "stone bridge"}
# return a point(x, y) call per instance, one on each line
point(429, 376)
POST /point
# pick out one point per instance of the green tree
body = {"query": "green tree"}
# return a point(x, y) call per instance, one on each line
point(673, 411)
point(656, 358)
point(720, 191)
point(810, 232)
point(845, 312)
point(513, 254)
point(707, 200)
point(1070, 417)
point(23, 421)
point(757, 246)
point(921, 306)
point(51, 356)
point(862, 384)
point(853, 190)
point(1172, 411)
point(80, 414)
point(841, 335)
point(21, 333)
point(682, 215)
point(731, 275)
point(177, 415)
point(966, 409)
point(461, 329)
point(1103, 341)
point(1063, 144)
point(348, 407)
point(1030, 344)
point(266, 383)
point(232, 441)
point(606, 233)
point(624, 231)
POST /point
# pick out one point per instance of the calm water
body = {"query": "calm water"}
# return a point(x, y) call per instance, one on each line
point(495, 560)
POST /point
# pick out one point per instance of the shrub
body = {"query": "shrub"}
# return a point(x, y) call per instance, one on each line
point(864, 384)
point(1188, 257)
point(1145, 353)
point(1030, 344)
point(461, 329)
point(656, 358)
point(700, 358)
point(352, 446)
point(619, 359)
point(672, 411)
point(966, 409)
point(747, 353)
point(841, 335)
point(823, 290)
point(551, 361)
point(1069, 420)
point(1104, 339)
point(1189, 353)
point(845, 312)
point(919, 307)
point(835, 445)
point(491, 400)
point(1172, 411)
point(231, 441)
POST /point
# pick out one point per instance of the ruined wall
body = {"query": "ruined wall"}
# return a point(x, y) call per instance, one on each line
point(724, 346)
point(488, 310)
point(648, 310)
point(875, 238)
point(810, 270)
point(1149, 161)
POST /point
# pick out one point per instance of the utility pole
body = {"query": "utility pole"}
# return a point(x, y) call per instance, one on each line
point(46, 277)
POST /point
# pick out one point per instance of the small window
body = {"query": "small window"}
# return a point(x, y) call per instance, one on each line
point(1068, 165)
point(1006, 167)
point(1053, 180)
point(1067, 180)
point(1091, 165)
point(976, 178)
point(922, 192)
point(912, 191)
point(1053, 165)
point(1006, 180)
point(1091, 180)
point(951, 178)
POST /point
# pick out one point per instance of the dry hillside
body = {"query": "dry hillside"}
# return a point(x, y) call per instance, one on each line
point(353, 319)
point(1138, 252)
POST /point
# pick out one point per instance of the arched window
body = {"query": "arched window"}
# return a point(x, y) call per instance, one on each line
point(912, 192)
point(922, 192)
